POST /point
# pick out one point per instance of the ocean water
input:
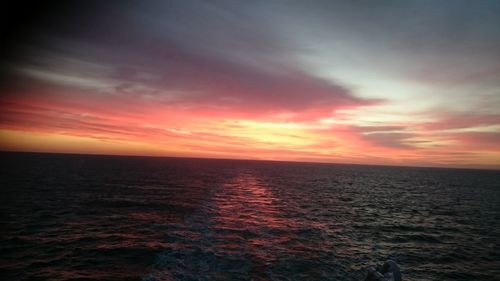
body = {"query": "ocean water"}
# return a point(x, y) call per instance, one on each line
point(74, 217)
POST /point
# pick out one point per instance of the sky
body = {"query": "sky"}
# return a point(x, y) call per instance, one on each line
point(412, 83)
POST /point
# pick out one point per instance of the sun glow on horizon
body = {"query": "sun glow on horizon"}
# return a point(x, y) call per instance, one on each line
point(224, 81)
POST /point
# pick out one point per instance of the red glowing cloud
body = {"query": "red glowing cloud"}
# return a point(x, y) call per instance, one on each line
point(216, 81)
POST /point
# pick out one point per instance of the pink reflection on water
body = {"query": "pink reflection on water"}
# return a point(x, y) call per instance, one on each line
point(248, 219)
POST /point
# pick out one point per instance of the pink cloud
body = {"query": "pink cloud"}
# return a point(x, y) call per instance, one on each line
point(458, 120)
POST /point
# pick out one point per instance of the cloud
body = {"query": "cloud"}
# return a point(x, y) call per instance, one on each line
point(460, 120)
point(325, 80)
point(390, 139)
point(479, 140)
point(246, 72)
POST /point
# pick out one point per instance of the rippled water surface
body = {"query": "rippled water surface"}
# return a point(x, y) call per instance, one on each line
point(130, 218)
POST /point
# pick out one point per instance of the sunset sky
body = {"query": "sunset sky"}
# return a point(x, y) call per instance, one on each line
point(369, 82)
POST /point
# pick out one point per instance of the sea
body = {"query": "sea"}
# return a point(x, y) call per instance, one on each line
point(84, 217)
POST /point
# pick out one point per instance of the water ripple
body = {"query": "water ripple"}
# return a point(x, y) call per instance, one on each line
point(111, 218)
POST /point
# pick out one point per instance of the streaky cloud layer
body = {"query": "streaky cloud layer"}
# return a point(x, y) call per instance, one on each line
point(404, 83)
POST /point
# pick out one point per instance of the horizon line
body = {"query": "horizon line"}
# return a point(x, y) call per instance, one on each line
point(487, 168)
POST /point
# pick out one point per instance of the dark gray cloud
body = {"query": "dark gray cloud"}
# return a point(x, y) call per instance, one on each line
point(257, 55)
point(391, 139)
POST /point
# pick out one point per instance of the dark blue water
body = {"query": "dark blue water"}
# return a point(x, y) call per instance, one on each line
point(68, 217)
